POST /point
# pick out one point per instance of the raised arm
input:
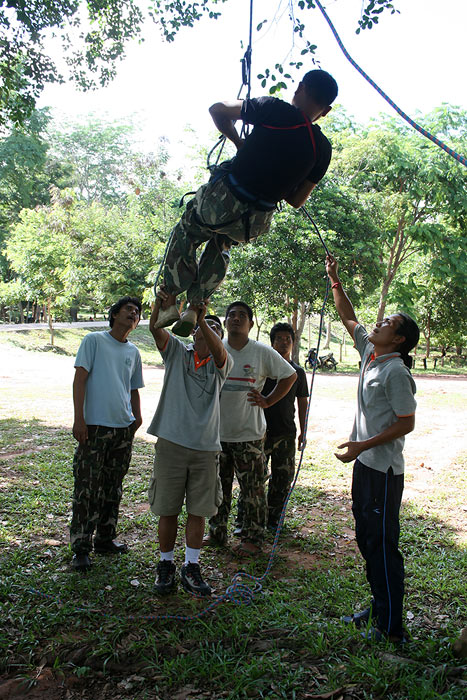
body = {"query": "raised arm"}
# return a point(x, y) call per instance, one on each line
point(160, 335)
point(224, 116)
point(343, 304)
point(213, 341)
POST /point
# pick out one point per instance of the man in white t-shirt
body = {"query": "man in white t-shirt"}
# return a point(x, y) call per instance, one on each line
point(107, 416)
point(243, 427)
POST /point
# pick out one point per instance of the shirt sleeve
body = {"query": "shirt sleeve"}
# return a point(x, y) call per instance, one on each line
point(172, 346)
point(226, 368)
point(276, 367)
point(137, 381)
point(86, 352)
point(323, 156)
point(256, 109)
point(302, 384)
point(361, 341)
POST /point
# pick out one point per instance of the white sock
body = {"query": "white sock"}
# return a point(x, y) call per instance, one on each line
point(167, 556)
point(191, 555)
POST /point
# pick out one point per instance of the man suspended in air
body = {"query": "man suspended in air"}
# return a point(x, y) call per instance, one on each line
point(283, 158)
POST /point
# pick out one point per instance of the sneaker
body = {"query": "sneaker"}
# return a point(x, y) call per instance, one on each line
point(167, 316)
point(165, 578)
point(109, 547)
point(186, 323)
point(81, 562)
point(192, 581)
point(359, 619)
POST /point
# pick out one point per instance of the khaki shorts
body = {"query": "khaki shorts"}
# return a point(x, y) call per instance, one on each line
point(180, 472)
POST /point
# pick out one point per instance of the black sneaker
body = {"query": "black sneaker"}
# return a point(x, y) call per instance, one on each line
point(192, 581)
point(165, 579)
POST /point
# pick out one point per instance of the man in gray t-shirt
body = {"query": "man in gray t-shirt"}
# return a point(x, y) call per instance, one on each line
point(107, 415)
point(186, 423)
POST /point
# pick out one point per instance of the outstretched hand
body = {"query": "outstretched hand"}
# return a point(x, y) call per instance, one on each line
point(353, 450)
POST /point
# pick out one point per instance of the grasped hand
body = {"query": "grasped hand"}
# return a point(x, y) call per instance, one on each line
point(353, 450)
point(331, 267)
point(301, 442)
point(201, 309)
point(257, 399)
point(80, 431)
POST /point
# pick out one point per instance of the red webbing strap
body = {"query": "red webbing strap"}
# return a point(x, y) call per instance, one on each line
point(296, 126)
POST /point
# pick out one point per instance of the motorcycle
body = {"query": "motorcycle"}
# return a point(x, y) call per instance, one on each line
point(325, 362)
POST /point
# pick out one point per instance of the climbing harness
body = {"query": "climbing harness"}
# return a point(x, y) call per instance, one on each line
point(461, 159)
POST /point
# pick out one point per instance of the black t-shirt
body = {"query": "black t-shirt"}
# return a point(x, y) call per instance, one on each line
point(273, 161)
point(280, 417)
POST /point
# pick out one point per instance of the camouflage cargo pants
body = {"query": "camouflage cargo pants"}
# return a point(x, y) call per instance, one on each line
point(99, 467)
point(214, 216)
point(246, 460)
point(281, 452)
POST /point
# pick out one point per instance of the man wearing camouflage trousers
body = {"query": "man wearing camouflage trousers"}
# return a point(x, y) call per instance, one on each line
point(283, 158)
point(242, 427)
point(281, 430)
point(107, 415)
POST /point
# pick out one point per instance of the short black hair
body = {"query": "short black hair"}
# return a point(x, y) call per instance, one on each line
point(240, 303)
point(320, 86)
point(115, 308)
point(281, 328)
point(411, 332)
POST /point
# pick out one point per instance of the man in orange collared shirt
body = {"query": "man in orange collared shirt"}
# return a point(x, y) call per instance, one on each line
point(186, 423)
point(385, 414)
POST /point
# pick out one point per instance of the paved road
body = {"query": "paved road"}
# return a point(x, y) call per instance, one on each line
point(58, 324)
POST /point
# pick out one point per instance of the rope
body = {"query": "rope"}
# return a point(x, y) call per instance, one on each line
point(240, 592)
point(461, 159)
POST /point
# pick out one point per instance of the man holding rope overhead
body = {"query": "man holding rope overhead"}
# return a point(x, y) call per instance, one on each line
point(385, 414)
point(186, 423)
point(283, 158)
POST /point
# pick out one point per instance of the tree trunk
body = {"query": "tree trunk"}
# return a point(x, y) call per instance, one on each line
point(258, 325)
point(428, 334)
point(21, 312)
point(51, 328)
point(300, 322)
point(327, 342)
point(383, 299)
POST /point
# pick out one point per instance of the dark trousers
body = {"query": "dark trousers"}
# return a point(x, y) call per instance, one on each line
point(99, 467)
point(376, 500)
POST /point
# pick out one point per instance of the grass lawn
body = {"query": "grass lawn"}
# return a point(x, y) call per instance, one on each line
point(106, 635)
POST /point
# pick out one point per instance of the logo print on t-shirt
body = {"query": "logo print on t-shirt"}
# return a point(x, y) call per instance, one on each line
point(248, 370)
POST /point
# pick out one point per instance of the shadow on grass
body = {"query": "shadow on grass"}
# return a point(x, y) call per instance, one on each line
point(288, 643)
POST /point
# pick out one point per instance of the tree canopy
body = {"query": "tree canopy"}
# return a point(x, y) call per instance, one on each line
point(94, 34)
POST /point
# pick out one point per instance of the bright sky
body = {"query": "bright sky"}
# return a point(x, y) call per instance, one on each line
point(417, 57)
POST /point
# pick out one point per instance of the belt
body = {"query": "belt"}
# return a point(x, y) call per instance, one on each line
point(247, 197)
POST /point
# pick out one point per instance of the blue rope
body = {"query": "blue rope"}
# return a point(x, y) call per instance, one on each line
point(461, 159)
